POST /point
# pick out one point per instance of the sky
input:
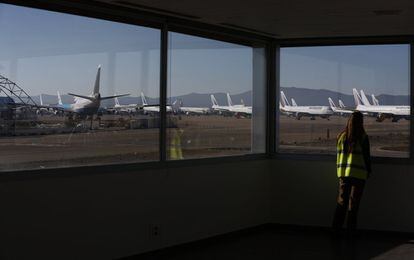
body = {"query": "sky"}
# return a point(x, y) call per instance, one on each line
point(377, 69)
point(45, 52)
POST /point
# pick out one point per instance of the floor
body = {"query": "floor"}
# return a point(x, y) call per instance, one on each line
point(290, 243)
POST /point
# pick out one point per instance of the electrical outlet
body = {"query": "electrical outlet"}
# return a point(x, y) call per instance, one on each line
point(155, 230)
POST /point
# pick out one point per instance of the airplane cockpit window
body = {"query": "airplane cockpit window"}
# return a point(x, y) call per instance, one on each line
point(321, 86)
point(76, 91)
point(216, 97)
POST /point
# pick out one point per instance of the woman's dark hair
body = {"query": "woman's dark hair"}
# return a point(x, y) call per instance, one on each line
point(354, 131)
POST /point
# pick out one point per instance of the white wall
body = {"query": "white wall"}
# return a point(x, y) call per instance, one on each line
point(105, 216)
point(304, 193)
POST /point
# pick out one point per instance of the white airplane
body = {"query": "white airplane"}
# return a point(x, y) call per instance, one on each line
point(130, 108)
point(341, 104)
point(151, 109)
point(216, 107)
point(300, 111)
point(190, 110)
point(381, 112)
point(374, 100)
point(44, 108)
point(86, 105)
point(238, 109)
point(341, 110)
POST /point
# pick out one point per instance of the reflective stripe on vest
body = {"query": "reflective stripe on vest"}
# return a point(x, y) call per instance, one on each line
point(350, 164)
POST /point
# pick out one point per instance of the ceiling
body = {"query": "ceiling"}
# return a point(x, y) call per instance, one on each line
point(293, 18)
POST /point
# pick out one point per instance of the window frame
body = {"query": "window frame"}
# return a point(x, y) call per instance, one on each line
point(348, 41)
point(165, 24)
point(168, 24)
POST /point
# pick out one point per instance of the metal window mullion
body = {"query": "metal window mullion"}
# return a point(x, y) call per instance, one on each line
point(276, 98)
point(411, 64)
point(163, 93)
point(271, 97)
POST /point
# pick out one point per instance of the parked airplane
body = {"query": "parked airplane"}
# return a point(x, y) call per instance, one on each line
point(381, 112)
point(374, 100)
point(216, 107)
point(118, 108)
point(190, 110)
point(151, 109)
point(44, 108)
point(300, 111)
point(341, 110)
point(238, 109)
point(85, 105)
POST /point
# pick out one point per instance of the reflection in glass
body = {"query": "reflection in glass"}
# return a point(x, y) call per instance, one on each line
point(216, 91)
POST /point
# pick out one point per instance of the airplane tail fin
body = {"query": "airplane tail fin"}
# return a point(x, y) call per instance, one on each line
point(341, 104)
point(364, 98)
point(294, 103)
point(143, 99)
point(59, 99)
point(357, 97)
point(214, 100)
point(375, 101)
point(117, 101)
point(283, 99)
point(229, 101)
point(41, 100)
point(331, 103)
point(97, 81)
point(242, 102)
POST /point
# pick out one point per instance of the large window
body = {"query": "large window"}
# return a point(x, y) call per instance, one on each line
point(87, 61)
point(320, 86)
point(216, 96)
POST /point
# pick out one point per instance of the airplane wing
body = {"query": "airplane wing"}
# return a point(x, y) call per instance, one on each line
point(109, 97)
point(85, 97)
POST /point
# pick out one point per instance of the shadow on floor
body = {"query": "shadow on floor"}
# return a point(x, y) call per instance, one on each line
point(275, 242)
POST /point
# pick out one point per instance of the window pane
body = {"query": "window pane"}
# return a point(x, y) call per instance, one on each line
point(45, 53)
point(309, 76)
point(202, 122)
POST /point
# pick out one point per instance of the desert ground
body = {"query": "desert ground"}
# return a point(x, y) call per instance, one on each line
point(55, 143)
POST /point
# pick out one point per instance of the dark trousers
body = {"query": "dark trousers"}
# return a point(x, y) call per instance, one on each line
point(349, 196)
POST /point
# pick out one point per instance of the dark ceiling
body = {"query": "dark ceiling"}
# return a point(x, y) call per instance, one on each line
point(293, 18)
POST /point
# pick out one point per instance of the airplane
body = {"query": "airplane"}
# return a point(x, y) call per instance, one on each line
point(151, 109)
point(381, 112)
point(374, 100)
point(300, 111)
point(216, 107)
point(190, 110)
point(341, 110)
point(341, 104)
point(238, 109)
point(130, 108)
point(85, 106)
point(44, 108)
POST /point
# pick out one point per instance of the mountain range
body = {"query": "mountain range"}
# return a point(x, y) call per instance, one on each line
point(302, 96)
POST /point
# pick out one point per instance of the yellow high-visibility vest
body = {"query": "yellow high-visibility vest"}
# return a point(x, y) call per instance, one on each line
point(350, 164)
point(176, 152)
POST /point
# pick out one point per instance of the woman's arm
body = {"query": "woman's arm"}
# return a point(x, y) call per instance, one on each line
point(367, 154)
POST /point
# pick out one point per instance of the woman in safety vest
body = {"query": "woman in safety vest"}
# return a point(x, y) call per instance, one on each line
point(353, 168)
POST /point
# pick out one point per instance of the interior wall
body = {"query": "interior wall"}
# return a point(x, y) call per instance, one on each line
point(106, 216)
point(304, 193)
